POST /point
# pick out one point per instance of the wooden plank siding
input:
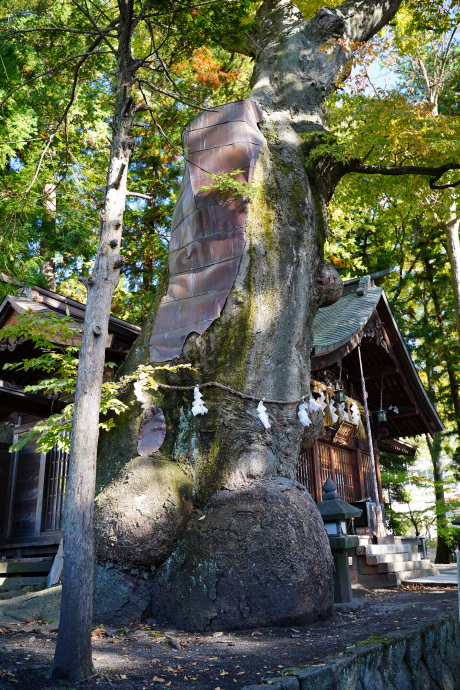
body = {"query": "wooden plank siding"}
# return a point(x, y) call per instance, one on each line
point(33, 495)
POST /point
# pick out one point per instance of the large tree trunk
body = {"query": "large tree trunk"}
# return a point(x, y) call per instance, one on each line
point(73, 650)
point(255, 551)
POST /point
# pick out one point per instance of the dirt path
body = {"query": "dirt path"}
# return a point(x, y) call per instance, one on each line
point(153, 656)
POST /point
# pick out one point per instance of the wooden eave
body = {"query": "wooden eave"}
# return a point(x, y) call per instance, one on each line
point(12, 399)
point(45, 300)
point(121, 337)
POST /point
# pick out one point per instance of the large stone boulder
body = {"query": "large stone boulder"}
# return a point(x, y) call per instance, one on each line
point(256, 556)
point(140, 515)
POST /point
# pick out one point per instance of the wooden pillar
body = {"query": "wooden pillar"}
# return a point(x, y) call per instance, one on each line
point(379, 478)
point(40, 489)
point(332, 458)
point(316, 474)
point(359, 462)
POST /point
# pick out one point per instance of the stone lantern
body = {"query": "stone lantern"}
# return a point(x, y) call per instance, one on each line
point(335, 513)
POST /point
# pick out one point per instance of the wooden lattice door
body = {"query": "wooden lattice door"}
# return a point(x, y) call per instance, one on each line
point(346, 473)
point(57, 468)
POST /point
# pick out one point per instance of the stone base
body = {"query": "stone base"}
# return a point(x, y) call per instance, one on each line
point(256, 556)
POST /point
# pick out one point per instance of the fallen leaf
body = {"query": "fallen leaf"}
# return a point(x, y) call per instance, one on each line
point(223, 673)
point(168, 685)
point(123, 677)
point(158, 680)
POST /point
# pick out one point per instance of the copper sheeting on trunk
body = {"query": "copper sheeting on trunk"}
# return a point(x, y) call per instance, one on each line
point(207, 234)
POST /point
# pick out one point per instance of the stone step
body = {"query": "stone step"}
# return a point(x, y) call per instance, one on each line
point(10, 584)
point(371, 549)
point(25, 566)
point(398, 578)
point(376, 559)
point(400, 566)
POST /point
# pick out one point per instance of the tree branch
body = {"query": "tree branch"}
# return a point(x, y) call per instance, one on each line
point(140, 196)
point(64, 115)
point(15, 32)
point(435, 172)
point(52, 69)
point(185, 100)
point(100, 31)
point(364, 18)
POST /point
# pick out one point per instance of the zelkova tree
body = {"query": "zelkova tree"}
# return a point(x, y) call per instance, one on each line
point(254, 551)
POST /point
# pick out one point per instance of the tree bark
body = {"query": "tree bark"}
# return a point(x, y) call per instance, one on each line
point(48, 266)
point(435, 448)
point(72, 658)
point(453, 383)
point(453, 248)
point(442, 548)
point(239, 562)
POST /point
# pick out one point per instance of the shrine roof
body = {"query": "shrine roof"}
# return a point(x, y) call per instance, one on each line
point(363, 316)
point(339, 323)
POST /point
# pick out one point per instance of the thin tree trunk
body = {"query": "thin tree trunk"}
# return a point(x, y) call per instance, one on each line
point(453, 383)
point(453, 248)
point(48, 266)
point(435, 449)
point(442, 548)
point(73, 650)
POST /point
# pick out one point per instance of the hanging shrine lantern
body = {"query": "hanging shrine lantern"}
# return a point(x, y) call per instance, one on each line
point(339, 393)
point(381, 414)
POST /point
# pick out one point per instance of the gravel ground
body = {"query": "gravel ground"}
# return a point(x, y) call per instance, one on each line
point(153, 656)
